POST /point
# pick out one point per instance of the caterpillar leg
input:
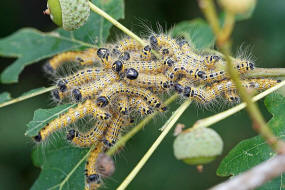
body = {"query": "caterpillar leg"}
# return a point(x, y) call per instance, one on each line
point(73, 114)
point(87, 139)
point(93, 178)
point(82, 57)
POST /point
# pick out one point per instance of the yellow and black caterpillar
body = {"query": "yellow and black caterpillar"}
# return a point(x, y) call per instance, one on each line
point(125, 78)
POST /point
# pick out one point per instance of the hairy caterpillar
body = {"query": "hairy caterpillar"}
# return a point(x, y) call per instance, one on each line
point(82, 57)
point(128, 79)
point(73, 114)
point(86, 139)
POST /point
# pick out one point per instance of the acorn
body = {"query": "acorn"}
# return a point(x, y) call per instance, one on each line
point(238, 6)
point(68, 14)
point(199, 146)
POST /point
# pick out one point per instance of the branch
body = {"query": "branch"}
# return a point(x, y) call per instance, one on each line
point(256, 176)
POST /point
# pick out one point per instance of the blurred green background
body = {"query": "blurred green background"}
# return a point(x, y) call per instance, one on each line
point(263, 33)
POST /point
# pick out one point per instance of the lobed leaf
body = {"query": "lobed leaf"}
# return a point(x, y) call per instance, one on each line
point(43, 116)
point(30, 45)
point(250, 152)
point(62, 164)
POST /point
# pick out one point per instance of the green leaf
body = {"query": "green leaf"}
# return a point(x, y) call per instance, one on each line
point(61, 164)
point(249, 153)
point(5, 96)
point(30, 45)
point(43, 116)
point(197, 31)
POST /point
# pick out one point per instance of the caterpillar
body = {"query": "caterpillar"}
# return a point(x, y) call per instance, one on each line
point(73, 114)
point(82, 57)
point(86, 139)
point(81, 77)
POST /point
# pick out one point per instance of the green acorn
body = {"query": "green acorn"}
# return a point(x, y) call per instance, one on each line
point(199, 146)
point(69, 14)
point(238, 6)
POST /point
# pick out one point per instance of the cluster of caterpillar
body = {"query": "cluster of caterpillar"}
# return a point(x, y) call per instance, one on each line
point(126, 78)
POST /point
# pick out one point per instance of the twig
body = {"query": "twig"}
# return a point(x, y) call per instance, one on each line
point(102, 13)
point(256, 176)
point(169, 124)
point(259, 123)
point(21, 98)
point(266, 72)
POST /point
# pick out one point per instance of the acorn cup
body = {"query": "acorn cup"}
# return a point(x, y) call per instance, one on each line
point(199, 146)
point(68, 14)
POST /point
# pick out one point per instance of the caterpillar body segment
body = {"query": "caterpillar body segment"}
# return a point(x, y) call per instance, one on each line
point(123, 104)
point(79, 78)
point(91, 173)
point(128, 44)
point(122, 89)
point(113, 130)
point(139, 105)
point(145, 66)
point(260, 84)
point(87, 139)
point(91, 89)
point(73, 114)
point(83, 57)
point(158, 81)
